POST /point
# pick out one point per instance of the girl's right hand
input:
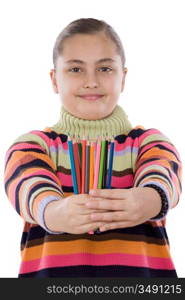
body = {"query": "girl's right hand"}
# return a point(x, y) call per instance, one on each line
point(70, 215)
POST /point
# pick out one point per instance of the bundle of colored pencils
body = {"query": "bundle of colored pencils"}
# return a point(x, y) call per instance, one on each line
point(91, 164)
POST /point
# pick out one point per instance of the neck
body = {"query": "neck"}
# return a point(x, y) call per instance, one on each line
point(115, 124)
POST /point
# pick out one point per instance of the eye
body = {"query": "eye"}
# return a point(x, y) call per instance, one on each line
point(105, 69)
point(75, 70)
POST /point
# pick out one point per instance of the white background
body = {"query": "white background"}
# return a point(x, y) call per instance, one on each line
point(153, 35)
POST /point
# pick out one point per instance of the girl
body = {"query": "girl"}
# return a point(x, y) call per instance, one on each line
point(131, 241)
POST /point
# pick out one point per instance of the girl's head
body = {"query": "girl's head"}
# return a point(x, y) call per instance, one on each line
point(89, 68)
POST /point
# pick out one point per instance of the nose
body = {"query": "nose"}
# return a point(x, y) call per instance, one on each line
point(91, 80)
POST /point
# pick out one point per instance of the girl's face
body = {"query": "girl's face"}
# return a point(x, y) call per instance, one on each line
point(89, 76)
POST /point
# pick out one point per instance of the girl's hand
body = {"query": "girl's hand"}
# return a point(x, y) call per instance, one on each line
point(71, 215)
point(126, 207)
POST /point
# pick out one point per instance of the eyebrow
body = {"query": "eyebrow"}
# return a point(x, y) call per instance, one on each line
point(78, 61)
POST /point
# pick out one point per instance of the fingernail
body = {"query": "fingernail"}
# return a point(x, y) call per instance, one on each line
point(91, 232)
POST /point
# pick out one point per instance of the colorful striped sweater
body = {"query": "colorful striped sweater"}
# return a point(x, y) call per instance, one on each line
point(37, 170)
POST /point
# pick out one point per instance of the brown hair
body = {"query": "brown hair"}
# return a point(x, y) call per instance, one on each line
point(87, 26)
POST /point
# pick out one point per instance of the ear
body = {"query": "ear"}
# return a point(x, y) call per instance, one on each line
point(125, 70)
point(53, 80)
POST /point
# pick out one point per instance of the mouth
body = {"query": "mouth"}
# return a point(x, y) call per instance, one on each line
point(91, 97)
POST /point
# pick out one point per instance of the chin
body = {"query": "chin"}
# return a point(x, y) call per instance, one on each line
point(91, 112)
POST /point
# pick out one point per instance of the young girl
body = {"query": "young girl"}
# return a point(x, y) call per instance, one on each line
point(128, 222)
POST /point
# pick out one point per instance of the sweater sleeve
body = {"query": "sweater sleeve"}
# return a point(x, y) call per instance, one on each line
point(158, 162)
point(30, 176)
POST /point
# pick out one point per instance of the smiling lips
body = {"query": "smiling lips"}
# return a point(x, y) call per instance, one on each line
point(91, 96)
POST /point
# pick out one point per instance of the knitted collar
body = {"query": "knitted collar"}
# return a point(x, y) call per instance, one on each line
point(115, 124)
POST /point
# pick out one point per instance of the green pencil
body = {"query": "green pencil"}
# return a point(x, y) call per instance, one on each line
point(102, 160)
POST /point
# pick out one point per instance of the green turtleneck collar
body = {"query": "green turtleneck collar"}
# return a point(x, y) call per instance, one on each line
point(115, 124)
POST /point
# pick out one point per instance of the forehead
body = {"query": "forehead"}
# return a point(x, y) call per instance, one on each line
point(88, 47)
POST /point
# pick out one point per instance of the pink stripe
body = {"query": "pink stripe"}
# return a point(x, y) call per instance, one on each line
point(49, 141)
point(65, 179)
point(65, 145)
point(121, 147)
point(121, 182)
point(57, 144)
point(20, 147)
point(96, 260)
point(42, 135)
point(149, 132)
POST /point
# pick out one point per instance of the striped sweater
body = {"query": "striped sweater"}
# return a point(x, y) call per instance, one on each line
point(38, 169)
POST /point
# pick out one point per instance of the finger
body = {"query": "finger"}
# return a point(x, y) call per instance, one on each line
point(81, 199)
point(91, 226)
point(116, 225)
point(106, 204)
point(110, 216)
point(85, 211)
point(89, 211)
point(111, 194)
point(86, 219)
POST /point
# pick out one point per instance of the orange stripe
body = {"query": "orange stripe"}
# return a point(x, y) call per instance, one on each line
point(163, 153)
point(20, 155)
point(26, 172)
point(99, 247)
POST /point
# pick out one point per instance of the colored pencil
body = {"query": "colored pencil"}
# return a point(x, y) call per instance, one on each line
point(73, 171)
point(110, 164)
point(83, 164)
point(95, 146)
point(87, 167)
point(105, 165)
point(97, 163)
point(80, 153)
point(92, 167)
point(91, 178)
point(102, 158)
point(77, 164)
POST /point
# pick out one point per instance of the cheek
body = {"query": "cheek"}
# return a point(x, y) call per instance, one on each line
point(113, 85)
point(66, 87)
point(72, 86)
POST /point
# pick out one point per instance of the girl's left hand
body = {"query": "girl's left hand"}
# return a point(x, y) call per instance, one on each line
point(125, 207)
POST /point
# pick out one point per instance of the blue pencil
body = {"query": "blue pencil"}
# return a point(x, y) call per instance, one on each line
point(111, 155)
point(73, 171)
